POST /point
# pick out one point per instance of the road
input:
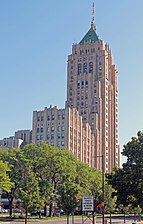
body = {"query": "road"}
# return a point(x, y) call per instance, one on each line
point(114, 220)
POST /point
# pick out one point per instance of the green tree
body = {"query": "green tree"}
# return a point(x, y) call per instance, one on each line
point(13, 159)
point(5, 183)
point(133, 168)
point(120, 183)
point(109, 198)
point(128, 181)
point(29, 191)
point(53, 167)
point(95, 181)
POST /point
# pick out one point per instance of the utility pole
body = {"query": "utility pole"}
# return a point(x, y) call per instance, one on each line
point(103, 187)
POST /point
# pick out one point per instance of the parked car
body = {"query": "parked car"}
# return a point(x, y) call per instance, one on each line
point(3, 210)
point(17, 210)
point(37, 213)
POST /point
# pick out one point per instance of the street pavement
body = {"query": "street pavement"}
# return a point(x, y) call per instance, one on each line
point(114, 220)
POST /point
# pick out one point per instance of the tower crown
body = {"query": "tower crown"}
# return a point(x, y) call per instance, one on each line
point(91, 36)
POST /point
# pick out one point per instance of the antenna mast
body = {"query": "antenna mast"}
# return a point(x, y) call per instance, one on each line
point(93, 14)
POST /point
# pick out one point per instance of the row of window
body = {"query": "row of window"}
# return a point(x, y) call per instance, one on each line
point(51, 117)
point(59, 144)
point(82, 83)
point(82, 98)
point(85, 68)
point(59, 128)
point(87, 51)
point(52, 137)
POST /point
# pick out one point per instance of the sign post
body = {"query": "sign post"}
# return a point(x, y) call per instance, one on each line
point(88, 206)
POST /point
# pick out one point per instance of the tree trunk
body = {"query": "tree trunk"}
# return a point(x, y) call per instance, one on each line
point(124, 217)
point(26, 215)
point(67, 218)
point(50, 209)
point(10, 205)
point(45, 210)
point(39, 215)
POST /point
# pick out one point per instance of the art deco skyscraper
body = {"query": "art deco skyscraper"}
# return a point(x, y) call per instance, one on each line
point(92, 88)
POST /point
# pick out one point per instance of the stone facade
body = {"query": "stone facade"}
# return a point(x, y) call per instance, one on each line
point(88, 125)
point(64, 128)
point(19, 140)
point(92, 88)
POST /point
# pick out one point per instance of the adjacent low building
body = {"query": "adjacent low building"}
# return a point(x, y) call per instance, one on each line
point(19, 140)
point(64, 128)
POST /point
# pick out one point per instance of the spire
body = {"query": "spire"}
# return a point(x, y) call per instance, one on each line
point(90, 36)
point(93, 19)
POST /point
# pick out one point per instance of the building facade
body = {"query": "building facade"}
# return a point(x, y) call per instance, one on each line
point(92, 88)
point(19, 140)
point(88, 125)
point(64, 128)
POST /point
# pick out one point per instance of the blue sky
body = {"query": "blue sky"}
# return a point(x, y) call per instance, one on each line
point(35, 39)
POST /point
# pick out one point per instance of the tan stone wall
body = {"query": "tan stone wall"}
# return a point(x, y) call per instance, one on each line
point(95, 95)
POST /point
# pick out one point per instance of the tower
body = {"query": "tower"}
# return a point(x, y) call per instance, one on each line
point(92, 88)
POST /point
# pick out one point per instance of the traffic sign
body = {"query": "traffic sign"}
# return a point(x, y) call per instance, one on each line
point(88, 203)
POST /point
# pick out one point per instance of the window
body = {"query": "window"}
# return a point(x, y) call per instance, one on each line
point(85, 67)
point(41, 130)
point(38, 137)
point(82, 83)
point(53, 117)
point(38, 118)
point(63, 144)
point(37, 130)
point(52, 128)
point(63, 135)
point(63, 128)
point(59, 136)
point(48, 118)
point(41, 137)
point(59, 128)
point(78, 83)
point(90, 67)
point(52, 136)
point(42, 118)
point(79, 69)
point(48, 137)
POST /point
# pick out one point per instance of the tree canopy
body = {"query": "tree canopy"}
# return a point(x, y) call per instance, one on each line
point(5, 183)
point(128, 181)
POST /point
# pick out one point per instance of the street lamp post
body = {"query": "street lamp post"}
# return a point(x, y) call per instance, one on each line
point(103, 187)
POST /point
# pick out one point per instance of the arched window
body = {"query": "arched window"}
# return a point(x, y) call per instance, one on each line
point(79, 69)
point(90, 67)
point(85, 67)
